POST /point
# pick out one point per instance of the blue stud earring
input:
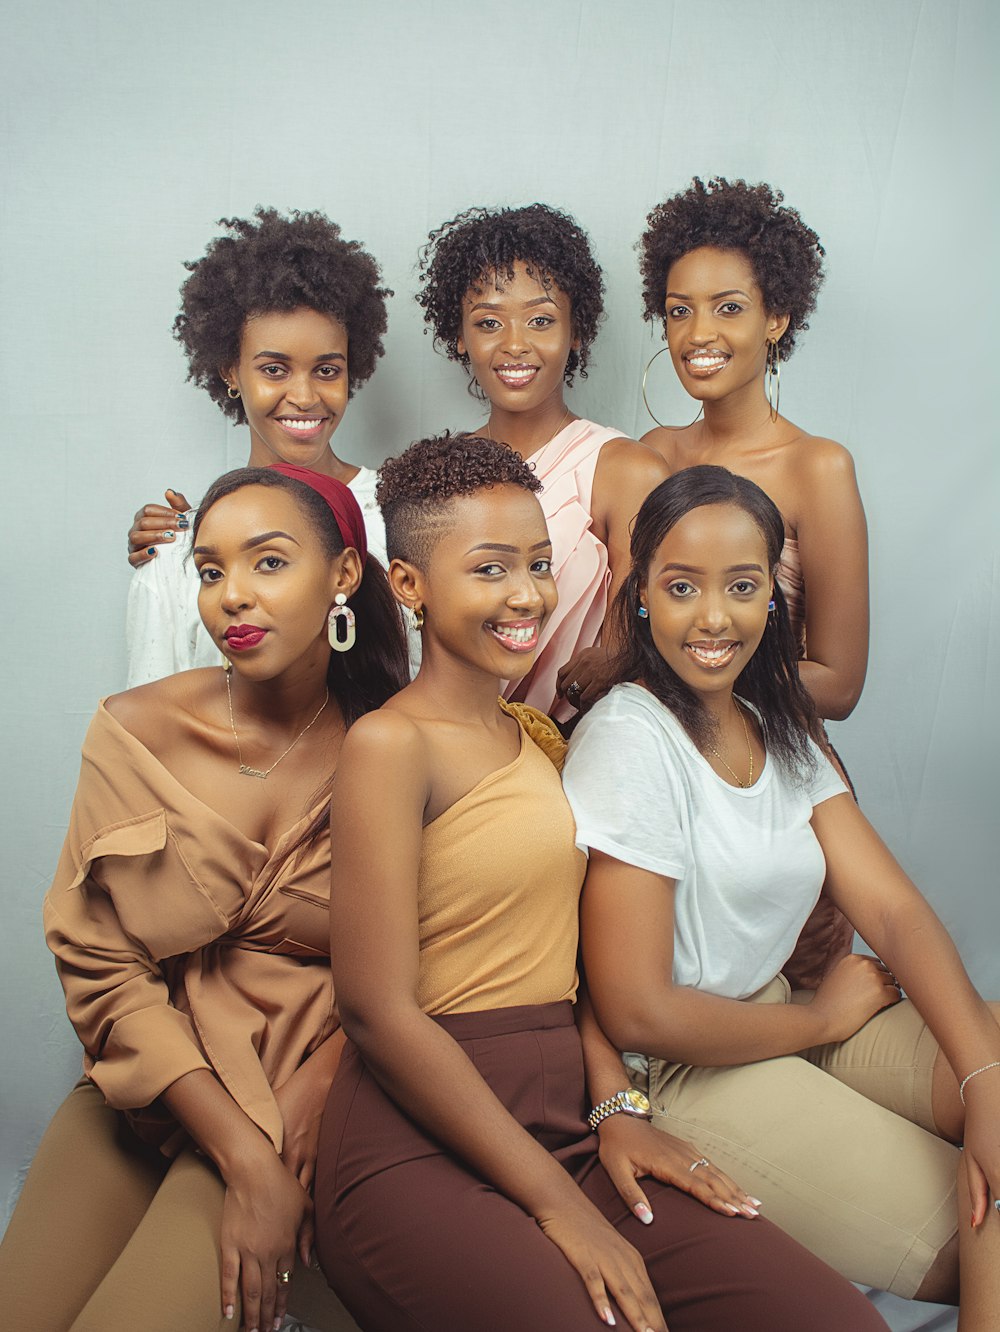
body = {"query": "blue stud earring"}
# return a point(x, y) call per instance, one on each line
point(643, 613)
point(772, 605)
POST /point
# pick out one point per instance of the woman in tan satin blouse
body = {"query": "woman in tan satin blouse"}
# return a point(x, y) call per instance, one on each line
point(188, 918)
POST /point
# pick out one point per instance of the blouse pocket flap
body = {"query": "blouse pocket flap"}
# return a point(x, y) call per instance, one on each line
point(140, 836)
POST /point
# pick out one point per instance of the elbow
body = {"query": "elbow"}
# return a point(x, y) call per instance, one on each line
point(631, 1026)
point(840, 697)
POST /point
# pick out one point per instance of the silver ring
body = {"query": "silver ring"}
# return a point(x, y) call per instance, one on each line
point(702, 1161)
point(997, 1204)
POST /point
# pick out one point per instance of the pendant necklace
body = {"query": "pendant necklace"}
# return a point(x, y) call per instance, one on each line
point(245, 769)
point(712, 750)
point(567, 416)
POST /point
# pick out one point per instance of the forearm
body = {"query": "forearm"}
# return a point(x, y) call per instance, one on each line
point(919, 950)
point(200, 1103)
point(428, 1074)
point(687, 1026)
point(602, 1061)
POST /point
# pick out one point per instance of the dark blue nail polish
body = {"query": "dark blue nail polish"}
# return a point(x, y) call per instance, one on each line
point(150, 550)
point(183, 523)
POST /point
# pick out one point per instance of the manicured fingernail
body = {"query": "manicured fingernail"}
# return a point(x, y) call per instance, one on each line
point(756, 1201)
point(168, 535)
point(972, 1221)
point(150, 550)
point(276, 1325)
point(751, 1211)
point(608, 1317)
point(183, 523)
point(731, 1208)
point(229, 1311)
point(643, 1213)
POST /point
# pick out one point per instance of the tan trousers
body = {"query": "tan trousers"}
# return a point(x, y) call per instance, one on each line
point(839, 1143)
point(109, 1236)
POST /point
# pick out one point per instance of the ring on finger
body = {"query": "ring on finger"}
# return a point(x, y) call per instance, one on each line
point(701, 1161)
point(284, 1275)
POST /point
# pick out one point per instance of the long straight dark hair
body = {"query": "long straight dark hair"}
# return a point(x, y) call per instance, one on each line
point(377, 666)
point(770, 679)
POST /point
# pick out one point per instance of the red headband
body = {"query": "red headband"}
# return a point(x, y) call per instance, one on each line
point(345, 507)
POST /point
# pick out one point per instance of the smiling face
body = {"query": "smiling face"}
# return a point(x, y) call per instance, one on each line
point(518, 337)
point(292, 377)
point(488, 587)
point(267, 583)
point(707, 592)
point(716, 324)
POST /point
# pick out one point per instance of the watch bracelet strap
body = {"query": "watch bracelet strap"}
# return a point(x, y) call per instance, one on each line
point(614, 1105)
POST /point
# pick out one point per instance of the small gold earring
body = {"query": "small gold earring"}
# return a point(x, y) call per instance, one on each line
point(418, 617)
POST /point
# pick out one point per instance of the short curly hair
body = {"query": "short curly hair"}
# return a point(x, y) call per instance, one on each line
point(481, 243)
point(785, 254)
point(414, 490)
point(271, 263)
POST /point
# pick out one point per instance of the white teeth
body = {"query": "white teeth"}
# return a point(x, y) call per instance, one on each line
point(296, 424)
point(706, 362)
point(515, 635)
point(711, 654)
point(510, 373)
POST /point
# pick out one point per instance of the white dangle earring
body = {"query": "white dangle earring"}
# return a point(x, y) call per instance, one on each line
point(340, 625)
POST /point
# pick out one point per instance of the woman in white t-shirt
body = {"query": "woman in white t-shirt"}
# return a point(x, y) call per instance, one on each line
point(711, 816)
point(281, 320)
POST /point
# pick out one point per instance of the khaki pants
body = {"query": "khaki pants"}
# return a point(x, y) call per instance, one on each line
point(839, 1143)
point(109, 1236)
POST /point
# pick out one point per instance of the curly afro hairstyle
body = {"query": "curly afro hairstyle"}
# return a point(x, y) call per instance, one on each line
point(415, 489)
point(268, 264)
point(785, 254)
point(483, 244)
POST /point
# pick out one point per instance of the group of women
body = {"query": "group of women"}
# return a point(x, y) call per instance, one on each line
point(338, 769)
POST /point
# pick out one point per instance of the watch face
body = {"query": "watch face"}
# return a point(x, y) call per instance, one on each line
point(637, 1103)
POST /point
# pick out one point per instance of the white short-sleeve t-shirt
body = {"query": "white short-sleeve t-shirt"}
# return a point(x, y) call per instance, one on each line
point(747, 865)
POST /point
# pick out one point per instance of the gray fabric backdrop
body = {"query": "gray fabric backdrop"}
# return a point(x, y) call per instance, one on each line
point(127, 129)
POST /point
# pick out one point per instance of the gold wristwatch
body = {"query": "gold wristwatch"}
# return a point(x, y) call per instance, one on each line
point(628, 1102)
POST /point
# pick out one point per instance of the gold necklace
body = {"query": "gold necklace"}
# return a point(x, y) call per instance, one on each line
point(712, 750)
point(245, 770)
point(563, 422)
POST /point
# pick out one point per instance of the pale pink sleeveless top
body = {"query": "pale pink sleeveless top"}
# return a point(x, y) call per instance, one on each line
point(793, 585)
point(565, 466)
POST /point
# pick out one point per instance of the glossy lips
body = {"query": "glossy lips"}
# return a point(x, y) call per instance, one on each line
point(516, 375)
point(704, 363)
point(713, 654)
point(516, 635)
point(240, 637)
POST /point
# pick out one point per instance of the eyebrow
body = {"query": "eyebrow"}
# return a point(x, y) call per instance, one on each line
point(507, 550)
point(498, 305)
point(249, 544)
point(733, 291)
point(284, 356)
point(693, 569)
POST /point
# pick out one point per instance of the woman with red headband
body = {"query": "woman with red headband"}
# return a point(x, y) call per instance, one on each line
point(189, 921)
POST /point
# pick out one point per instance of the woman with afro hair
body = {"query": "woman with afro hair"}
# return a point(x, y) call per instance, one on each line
point(281, 320)
point(733, 272)
point(516, 297)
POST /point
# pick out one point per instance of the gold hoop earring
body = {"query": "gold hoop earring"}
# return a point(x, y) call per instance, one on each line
point(234, 393)
point(773, 379)
point(418, 617)
point(645, 400)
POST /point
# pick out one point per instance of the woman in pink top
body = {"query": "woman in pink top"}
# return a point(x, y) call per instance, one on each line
point(516, 297)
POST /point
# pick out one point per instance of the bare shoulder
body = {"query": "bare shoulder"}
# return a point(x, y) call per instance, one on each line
point(820, 457)
point(148, 710)
point(628, 459)
point(386, 740)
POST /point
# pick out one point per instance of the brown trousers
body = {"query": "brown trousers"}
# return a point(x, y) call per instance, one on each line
point(413, 1240)
point(109, 1236)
